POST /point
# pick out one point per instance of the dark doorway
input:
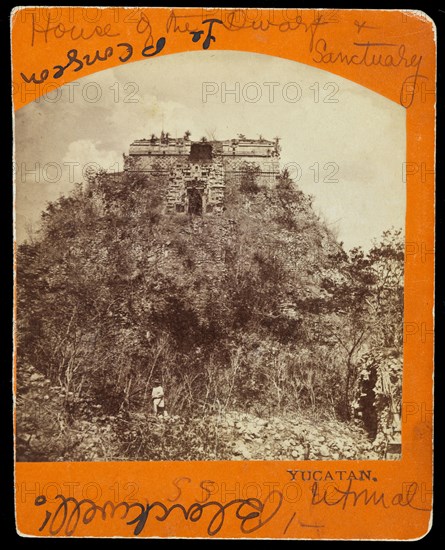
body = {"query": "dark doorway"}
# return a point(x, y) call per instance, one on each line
point(201, 151)
point(195, 202)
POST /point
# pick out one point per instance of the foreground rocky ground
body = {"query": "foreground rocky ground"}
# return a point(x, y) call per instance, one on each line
point(54, 425)
point(294, 437)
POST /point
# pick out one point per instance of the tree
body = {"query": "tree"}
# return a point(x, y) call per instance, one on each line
point(368, 306)
point(249, 176)
point(109, 266)
point(386, 259)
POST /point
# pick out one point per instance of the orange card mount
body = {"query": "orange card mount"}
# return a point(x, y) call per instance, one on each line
point(224, 262)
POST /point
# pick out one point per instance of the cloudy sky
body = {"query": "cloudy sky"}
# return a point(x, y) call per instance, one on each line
point(344, 144)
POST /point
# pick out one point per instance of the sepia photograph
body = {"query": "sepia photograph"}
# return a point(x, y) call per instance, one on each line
point(210, 254)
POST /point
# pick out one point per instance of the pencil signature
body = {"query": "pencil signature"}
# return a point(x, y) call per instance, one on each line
point(335, 496)
point(76, 61)
point(251, 514)
point(366, 54)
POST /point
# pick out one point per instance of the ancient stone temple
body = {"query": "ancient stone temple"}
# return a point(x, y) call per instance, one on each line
point(197, 172)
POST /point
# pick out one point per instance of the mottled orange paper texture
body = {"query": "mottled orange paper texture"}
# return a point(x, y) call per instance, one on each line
point(352, 499)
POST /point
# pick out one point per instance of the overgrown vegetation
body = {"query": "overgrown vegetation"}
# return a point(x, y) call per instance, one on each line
point(256, 311)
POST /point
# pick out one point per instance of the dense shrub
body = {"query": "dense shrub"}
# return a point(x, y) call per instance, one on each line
point(255, 308)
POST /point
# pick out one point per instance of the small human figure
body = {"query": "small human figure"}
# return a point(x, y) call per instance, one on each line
point(157, 396)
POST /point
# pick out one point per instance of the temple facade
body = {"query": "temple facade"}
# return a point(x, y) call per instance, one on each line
point(198, 171)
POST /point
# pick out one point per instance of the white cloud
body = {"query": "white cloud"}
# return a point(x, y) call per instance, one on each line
point(85, 153)
point(362, 132)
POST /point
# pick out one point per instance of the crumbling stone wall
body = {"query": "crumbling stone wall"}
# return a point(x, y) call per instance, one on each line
point(205, 179)
point(269, 168)
point(197, 172)
point(155, 165)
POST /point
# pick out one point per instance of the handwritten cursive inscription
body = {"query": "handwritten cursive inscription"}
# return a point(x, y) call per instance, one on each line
point(366, 54)
point(51, 30)
point(252, 513)
point(238, 20)
point(375, 53)
point(335, 496)
point(77, 62)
